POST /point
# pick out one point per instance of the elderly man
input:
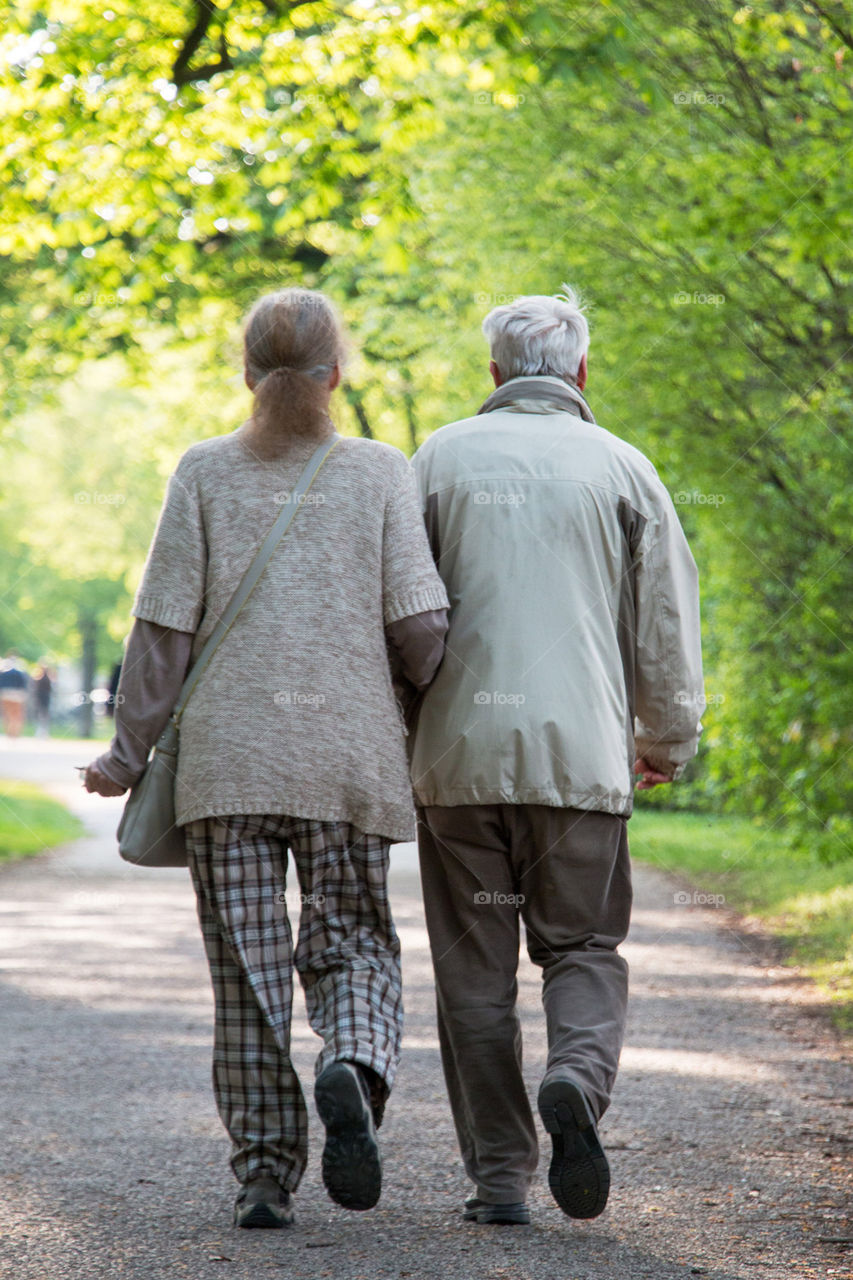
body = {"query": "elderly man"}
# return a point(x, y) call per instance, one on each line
point(573, 661)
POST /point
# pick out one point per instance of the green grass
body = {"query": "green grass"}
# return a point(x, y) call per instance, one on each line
point(31, 821)
point(102, 731)
point(804, 902)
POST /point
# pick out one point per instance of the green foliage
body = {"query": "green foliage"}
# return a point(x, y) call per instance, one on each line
point(154, 164)
point(84, 477)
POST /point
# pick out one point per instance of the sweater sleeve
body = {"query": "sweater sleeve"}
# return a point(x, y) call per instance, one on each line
point(173, 582)
point(410, 582)
point(154, 667)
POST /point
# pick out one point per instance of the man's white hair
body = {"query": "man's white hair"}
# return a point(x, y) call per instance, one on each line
point(538, 334)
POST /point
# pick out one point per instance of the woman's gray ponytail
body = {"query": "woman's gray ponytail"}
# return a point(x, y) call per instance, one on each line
point(292, 342)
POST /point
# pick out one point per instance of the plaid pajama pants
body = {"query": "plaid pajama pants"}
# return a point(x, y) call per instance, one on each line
point(347, 956)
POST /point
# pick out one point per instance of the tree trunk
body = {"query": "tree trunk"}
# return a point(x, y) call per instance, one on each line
point(89, 635)
point(358, 406)
point(409, 405)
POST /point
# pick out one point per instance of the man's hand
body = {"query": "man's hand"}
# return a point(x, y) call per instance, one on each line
point(650, 777)
point(98, 782)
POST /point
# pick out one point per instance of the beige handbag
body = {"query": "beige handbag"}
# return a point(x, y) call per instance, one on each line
point(148, 834)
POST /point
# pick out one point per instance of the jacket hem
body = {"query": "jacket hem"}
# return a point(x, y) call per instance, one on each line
point(617, 803)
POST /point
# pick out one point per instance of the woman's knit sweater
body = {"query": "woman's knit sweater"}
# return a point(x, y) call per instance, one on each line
point(296, 712)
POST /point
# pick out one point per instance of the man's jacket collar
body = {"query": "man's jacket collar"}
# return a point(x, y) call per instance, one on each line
point(541, 387)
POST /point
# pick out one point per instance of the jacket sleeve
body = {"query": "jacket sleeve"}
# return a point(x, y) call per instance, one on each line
point(410, 582)
point(668, 686)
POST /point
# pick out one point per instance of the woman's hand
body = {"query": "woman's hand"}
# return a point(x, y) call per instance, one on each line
point(97, 781)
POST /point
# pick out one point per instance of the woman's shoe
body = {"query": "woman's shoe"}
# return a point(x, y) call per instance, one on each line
point(263, 1203)
point(352, 1167)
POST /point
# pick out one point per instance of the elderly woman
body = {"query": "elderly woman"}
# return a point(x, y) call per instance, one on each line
point(291, 740)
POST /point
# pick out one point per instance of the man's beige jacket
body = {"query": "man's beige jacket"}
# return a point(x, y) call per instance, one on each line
point(574, 639)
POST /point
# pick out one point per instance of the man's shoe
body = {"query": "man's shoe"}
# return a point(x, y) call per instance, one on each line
point(263, 1203)
point(579, 1176)
point(352, 1168)
point(507, 1214)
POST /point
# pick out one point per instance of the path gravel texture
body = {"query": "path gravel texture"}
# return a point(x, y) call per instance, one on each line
point(727, 1134)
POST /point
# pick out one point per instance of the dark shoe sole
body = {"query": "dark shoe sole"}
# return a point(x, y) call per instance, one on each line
point(352, 1168)
point(262, 1215)
point(579, 1176)
point(499, 1215)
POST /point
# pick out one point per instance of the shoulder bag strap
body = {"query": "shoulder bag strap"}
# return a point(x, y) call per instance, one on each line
point(250, 578)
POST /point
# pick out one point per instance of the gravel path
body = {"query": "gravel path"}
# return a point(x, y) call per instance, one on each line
point(727, 1133)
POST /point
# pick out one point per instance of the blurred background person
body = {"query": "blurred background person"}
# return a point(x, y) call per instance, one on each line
point(42, 687)
point(112, 689)
point(14, 688)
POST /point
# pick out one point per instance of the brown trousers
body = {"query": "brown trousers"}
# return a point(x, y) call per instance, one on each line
point(566, 874)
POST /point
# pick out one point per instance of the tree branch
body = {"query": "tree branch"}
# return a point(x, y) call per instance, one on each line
point(831, 21)
point(181, 73)
point(206, 13)
point(358, 405)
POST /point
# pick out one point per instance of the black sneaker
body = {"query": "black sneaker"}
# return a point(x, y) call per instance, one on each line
point(506, 1214)
point(379, 1092)
point(579, 1176)
point(352, 1168)
point(263, 1203)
